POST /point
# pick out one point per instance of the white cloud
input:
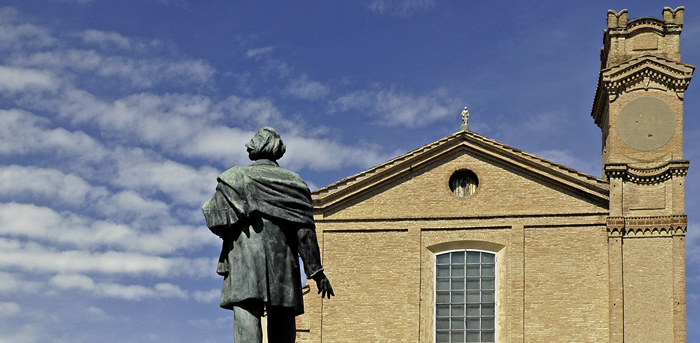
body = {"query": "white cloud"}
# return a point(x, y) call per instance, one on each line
point(16, 35)
point(69, 281)
point(97, 314)
point(9, 309)
point(25, 133)
point(260, 52)
point(33, 257)
point(140, 73)
point(13, 283)
point(128, 206)
point(400, 109)
point(28, 182)
point(139, 171)
point(304, 88)
point(114, 290)
point(45, 224)
point(404, 8)
point(324, 154)
point(19, 79)
point(107, 39)
point(207, 296)
point(23, 334)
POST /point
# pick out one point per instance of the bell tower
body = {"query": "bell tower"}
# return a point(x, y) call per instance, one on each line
point(638, 106)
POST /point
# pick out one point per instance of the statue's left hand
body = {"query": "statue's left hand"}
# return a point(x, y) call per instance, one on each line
point(323, 285)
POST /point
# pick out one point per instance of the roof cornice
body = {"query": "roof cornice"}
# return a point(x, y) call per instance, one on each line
point(644, 72)
point(338, 193)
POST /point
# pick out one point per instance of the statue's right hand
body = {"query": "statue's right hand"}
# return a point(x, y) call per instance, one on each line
point(324, 285)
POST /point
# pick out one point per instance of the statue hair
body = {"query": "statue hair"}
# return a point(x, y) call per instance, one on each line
point(266, 144)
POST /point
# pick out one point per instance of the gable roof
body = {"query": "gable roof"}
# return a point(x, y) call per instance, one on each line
point(339, 192)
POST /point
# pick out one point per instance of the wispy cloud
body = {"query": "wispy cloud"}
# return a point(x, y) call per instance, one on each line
point(20, 79)
point(33, 257)
point(114, 290)
point(25, 133)
point(259, 52)
point(106, 39)
point(9, 309)
point(304, 88)
point(13, 283)
point(42, 224)
point(401, 109)
point(404, 8)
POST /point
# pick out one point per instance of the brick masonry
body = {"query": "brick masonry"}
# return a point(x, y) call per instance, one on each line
point(579, 258)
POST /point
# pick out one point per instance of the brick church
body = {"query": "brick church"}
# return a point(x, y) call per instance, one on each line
point(469, 240)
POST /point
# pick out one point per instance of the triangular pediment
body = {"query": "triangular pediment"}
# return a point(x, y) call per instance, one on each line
point(464, 143)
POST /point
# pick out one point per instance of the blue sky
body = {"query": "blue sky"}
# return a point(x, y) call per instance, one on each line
point(117, 116)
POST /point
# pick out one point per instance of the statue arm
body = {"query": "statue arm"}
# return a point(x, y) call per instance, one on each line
point(310, 254)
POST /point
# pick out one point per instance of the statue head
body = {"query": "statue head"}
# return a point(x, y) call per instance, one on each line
point(266, 144)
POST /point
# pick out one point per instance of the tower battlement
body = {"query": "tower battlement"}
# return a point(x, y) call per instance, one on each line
point(626, 39)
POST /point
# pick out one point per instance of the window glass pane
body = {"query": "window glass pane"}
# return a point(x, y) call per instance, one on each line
point(458, 270)
point(487, 323)
point(443, 271)
point(487, 283)
point(457, 257)
point(487, 297)
point(487, 270)
point(473, 323)
point(473, 257)
point(443, 337)
point(473, 283)
point(465, 296)
point(472, 310)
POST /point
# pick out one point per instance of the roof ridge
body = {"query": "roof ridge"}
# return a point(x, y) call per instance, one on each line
point(388, 164)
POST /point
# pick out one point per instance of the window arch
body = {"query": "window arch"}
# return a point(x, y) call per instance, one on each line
point(465, 296)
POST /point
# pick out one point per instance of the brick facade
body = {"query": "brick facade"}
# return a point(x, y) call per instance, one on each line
point(578, 258)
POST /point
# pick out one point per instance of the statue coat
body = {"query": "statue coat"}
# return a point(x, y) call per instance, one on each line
point(264, 215)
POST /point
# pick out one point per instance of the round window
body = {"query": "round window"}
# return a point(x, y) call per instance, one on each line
point(463, 183)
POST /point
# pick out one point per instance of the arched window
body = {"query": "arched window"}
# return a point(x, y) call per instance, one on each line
point(465, 294)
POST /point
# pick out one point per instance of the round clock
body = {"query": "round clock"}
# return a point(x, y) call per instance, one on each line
point(646, 123)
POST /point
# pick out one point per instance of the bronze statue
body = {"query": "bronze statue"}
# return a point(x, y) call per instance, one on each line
point(264, 215)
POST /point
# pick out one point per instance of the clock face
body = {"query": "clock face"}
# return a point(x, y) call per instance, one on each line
point(646, 123)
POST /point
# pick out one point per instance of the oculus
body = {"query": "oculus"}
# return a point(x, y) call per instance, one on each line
point(463, 183)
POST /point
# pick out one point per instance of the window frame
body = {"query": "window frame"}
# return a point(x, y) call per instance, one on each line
point(495, 288)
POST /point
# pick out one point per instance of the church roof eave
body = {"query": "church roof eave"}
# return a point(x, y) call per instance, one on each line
point(337, 193)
